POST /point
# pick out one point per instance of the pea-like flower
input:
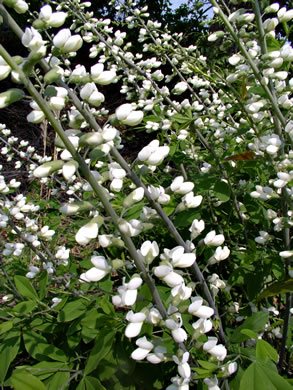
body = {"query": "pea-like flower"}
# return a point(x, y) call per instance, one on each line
point(135, 324)
point(197, 308)
point(144, 349)
point(213, 239)
point(66, 42)
point(128, 116)
point(153, 153)
point(88, 231)
point(98, 272)
point(218, 351)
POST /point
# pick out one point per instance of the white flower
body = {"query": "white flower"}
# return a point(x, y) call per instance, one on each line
point(62, 253)
point(99, 271)
point(66, 42)
point(212, 384)
point(229, 369)
point(183, 367)
point(179, 334)
point(189, 201)
point(218, 351)
point(135, 196)
point(263, 237)
point(154, 316)
point(144, 349)
point(219, 255)
point(69, 168)
point(20, 6)
point(284, 15)
point(180, 187)
point(196, 228)
point(128, 116)
point(213, 37)
point(272, 8)
point(127, 292)
point(135, 324)
point(4, 69)
point(47, 168)
point(153, 154)
point(149, 250)
point(33, 272)
point(286, 254)
point(55, 301)
point(181, 292)
point(91, 95)
point(88, 231)
point(52, 19)
point(201, 326)
point(158, 355)
point(212, 239)
point(197, 309)
point(180, 88)
point(32, 39)
point(46, 233)
point(166, 273)
point(181, 259)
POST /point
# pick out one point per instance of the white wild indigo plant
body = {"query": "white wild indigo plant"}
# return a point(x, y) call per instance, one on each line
point(176, 257)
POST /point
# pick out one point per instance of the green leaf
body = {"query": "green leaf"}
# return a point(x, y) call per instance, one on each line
point(8, 350)
point(45, 369)
point(207, 365)
point(25, 307)
point(255, 379)
point(72, 310)
point(277, 288)
point(179, 118)
point(25, 288)
point(92, 383)
point(204, 182)
point(222, 191)
point(256, 323)
point(50, 91)
point(272, 43)
point(257, 91)
point(96, 154)
point(250, 333)
point(6, 326)
point(43, 284)
point(264, 351)
point(39, 348)
point(22, 380)
point(103, 344)
point(258, 376)
point(186, 217)
point(57, 380)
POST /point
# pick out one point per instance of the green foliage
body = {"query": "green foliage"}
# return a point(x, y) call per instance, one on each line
point(224, 122)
